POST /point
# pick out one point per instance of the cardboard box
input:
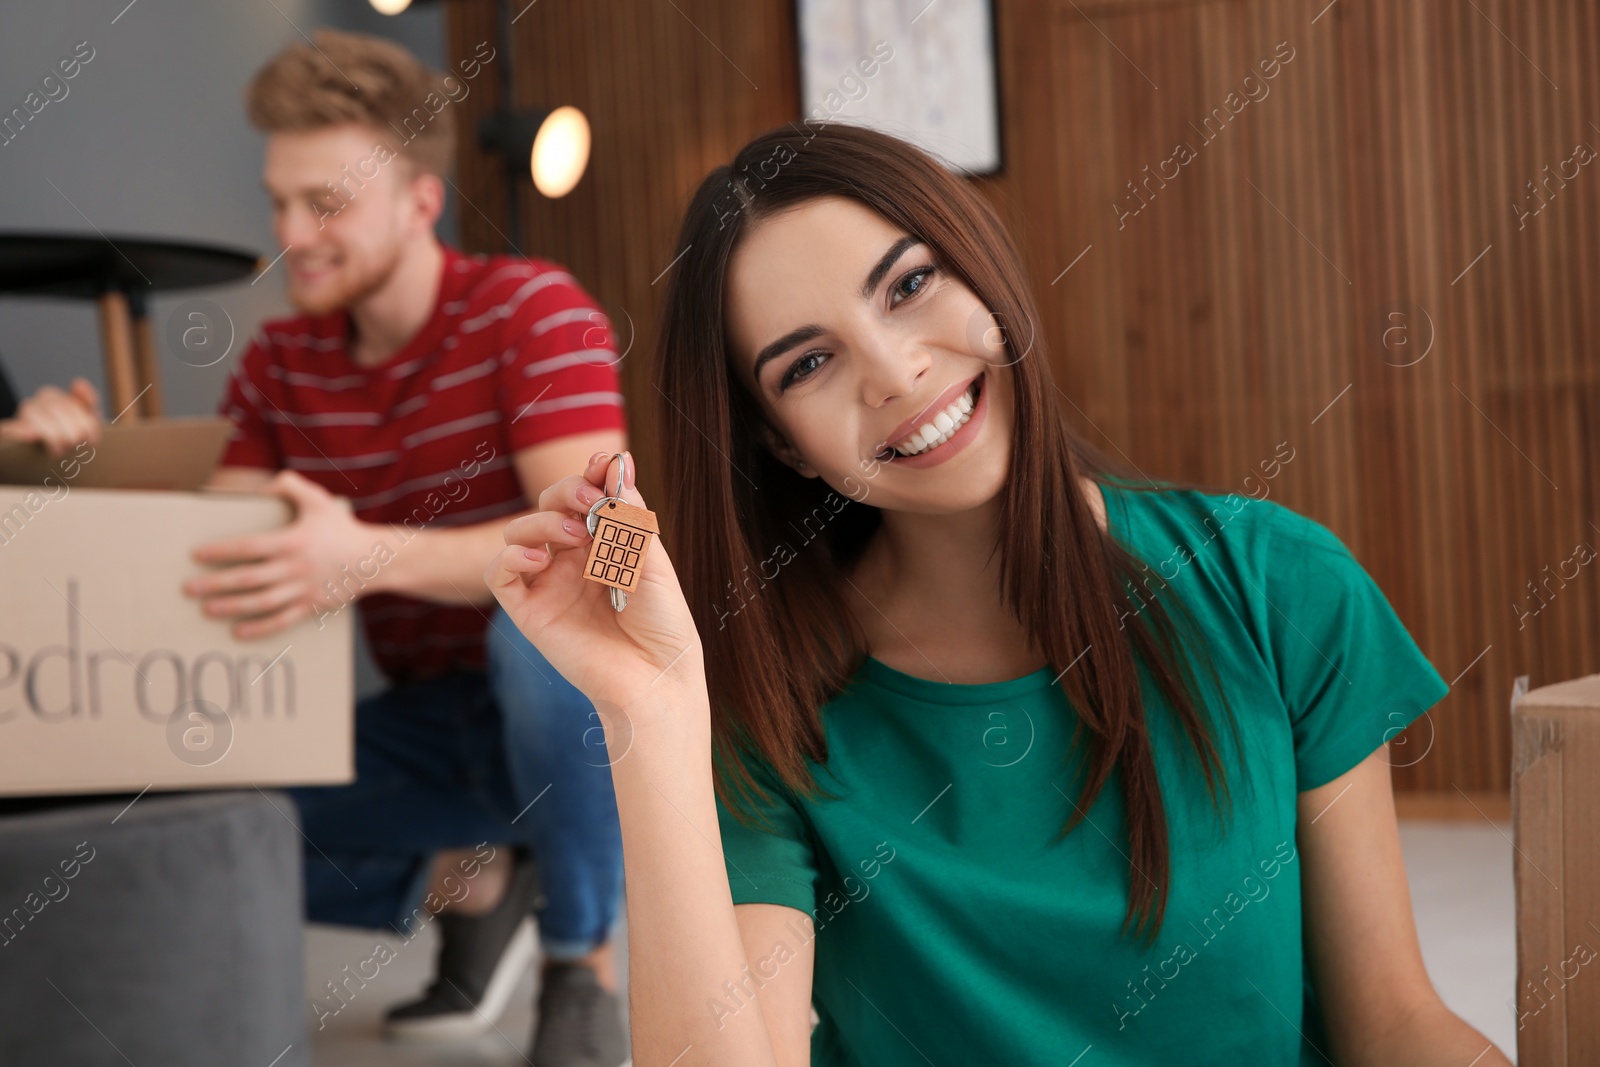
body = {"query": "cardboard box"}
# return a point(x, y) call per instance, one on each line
point(1555, 812)
point(111, 679)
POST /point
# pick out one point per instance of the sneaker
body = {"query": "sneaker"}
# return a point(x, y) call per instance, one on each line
point(580, 1023)
point(481, 959)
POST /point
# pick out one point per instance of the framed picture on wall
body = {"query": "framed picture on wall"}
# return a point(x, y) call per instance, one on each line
point(923, 70)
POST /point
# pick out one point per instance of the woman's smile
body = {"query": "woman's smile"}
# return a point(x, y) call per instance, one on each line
point(942, 435)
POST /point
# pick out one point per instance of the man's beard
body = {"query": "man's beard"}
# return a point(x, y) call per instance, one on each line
point(347, 289)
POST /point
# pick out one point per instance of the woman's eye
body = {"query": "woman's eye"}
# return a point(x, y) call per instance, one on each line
point(912, 283)
point(802, 368)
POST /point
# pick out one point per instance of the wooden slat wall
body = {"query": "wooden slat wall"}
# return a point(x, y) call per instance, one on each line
point(664, 107)
point(1246, 304)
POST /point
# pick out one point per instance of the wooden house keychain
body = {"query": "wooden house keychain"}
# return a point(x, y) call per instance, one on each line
point(621, 535)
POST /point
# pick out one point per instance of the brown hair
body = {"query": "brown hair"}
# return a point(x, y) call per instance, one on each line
point(350, 77)
point(794, 644)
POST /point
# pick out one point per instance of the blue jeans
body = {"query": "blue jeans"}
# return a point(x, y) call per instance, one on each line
point(514, 756)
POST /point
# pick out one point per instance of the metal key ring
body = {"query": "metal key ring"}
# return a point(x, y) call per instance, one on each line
point(592, 520)
point(622, 472)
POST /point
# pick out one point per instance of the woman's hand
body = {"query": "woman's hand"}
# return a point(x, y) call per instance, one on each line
point(614, 657)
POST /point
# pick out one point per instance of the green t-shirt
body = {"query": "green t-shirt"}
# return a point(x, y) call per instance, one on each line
point(950, 924)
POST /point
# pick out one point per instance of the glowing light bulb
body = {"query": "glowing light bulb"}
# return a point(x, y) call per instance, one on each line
point(389, 7)
point(560, 152)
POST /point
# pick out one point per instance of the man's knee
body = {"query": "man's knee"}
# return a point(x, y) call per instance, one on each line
point(524, 684)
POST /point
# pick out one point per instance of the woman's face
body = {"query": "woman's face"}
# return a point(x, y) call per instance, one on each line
point(877, 369)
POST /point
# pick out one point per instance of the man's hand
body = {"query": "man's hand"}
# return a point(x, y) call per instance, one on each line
point(58, 419)
point(277, 579)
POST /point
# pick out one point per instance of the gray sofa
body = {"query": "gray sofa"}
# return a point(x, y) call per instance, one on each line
point(163, 933)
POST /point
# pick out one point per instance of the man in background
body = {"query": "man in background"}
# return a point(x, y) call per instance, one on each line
point(437, 394)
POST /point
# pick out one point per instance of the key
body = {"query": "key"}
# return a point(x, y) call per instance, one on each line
point(621, 533)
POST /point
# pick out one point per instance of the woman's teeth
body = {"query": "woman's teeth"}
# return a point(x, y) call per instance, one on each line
point(941, 427)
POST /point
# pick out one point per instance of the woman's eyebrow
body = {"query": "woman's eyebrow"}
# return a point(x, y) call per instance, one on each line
point(885, 264)
point(784, 343)
point(802, 334)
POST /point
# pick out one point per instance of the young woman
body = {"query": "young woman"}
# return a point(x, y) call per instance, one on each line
point(953, 729)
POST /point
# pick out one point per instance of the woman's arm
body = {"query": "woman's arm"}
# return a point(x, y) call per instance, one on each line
point(1379, 1007)
point(644, 670)
point(786, 996)
point(685, 937)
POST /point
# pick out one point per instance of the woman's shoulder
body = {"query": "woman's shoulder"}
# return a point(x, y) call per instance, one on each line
point(1237, 560)
point(1156, 516)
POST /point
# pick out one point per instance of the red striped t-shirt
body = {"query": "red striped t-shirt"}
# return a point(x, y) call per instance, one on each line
point(514, 354)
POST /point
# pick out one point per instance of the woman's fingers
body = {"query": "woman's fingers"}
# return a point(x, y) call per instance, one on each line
point(560, 521)
point(573, 493)
point(515, 564)
point(541, 528)
point(629, 491)
point(597, 466)
point(577, 492)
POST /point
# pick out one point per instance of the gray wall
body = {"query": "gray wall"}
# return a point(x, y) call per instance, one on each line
point(150, 140)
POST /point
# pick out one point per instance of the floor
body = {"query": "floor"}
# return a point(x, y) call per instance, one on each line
point(1460, 886)
point(350, 1037)
point(1462, 895)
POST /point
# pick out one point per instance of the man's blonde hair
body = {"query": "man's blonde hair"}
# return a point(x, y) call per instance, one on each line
point(351, 77)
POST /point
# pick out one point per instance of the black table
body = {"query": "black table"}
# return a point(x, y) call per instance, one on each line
point(118, 273)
